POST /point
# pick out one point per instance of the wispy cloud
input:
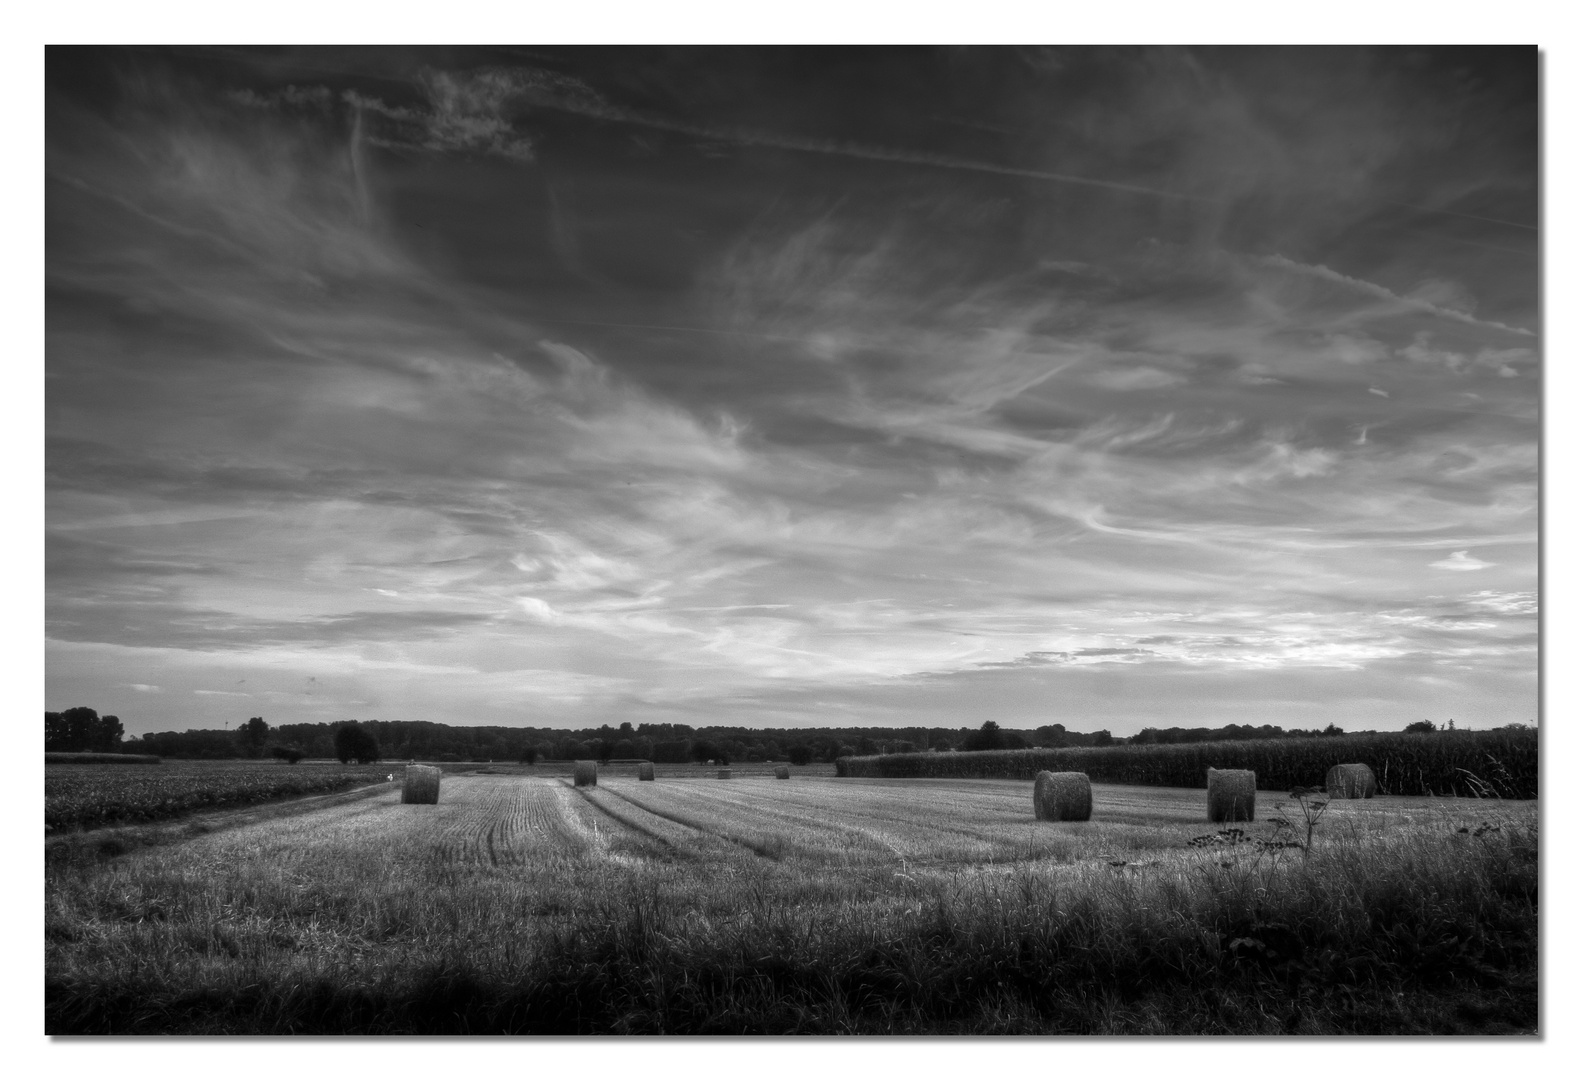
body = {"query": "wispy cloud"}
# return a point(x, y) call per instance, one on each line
point(1460, 560)
point(343, 405)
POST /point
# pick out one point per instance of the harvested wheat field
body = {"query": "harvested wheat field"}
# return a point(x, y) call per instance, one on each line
point(522, 903)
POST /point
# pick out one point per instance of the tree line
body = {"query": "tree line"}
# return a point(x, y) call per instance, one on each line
point(371, 740)
point(79, 729)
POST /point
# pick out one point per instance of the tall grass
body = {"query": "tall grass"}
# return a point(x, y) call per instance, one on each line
point(1504, 763)
point(1380, 930)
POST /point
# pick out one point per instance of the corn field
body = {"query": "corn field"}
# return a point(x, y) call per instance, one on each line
point(1482, 764)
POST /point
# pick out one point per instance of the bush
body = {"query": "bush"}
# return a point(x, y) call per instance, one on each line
point(289, 754)
point(529, 755)
point(93, 757)
point(1464, 763)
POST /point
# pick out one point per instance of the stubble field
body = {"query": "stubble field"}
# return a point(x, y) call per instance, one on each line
point(520, 903)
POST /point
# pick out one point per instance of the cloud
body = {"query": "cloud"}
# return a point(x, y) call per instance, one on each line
point(469, 112)
point(1460, 560)
point(1138, 378)
point(146, 688)
point(462, 112)
point(1514, 603)
point(390, 423)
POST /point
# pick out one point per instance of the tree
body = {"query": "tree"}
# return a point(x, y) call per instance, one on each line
point(1103, 738)
point(530, 754)
point(703, 750)
point(82, 723)
point(1331, 729)
point(988, 737)
point(353, 741)
point(80, 729)
point(253, 736)
point(672, 752)
point(801, 754)
point(289, 754)
point(1420, 727)
point(108, 738)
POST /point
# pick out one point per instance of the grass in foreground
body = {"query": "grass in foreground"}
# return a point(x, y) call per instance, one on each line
point(521, 906)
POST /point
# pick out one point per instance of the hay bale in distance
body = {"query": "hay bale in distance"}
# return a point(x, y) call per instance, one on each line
point(723, 774)
point(1231, 794)
point(646, 771)
point(1062, 796)
point(1355, 781)
point(585, 774)
point(421, 784)
point(782, 772)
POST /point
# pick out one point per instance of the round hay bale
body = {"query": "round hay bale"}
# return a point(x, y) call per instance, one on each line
point(1355, 781)
point(723, 774)
point(782, 772)
point(585, 774)
point(646, 770)
point(421, 784)
point(1231, 794)
point(1062, 796)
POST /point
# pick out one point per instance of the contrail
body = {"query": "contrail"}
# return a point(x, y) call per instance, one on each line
point(672, 329)
point(1470, 217)
point(745, 137)
point(1383, 293)
point(355, 150)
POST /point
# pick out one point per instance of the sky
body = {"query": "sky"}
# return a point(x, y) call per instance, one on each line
point(558, 387)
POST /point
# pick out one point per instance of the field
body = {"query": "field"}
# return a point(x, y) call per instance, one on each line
point(78, 795)
point(689, 905)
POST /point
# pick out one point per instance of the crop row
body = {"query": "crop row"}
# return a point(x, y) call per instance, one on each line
point(1503, 763)
point(89, 795)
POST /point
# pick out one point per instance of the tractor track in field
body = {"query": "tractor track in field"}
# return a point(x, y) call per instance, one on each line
point(805, 818)
point(626, 820)
point(775, 854)
point(797, 811)
point(502, 824)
